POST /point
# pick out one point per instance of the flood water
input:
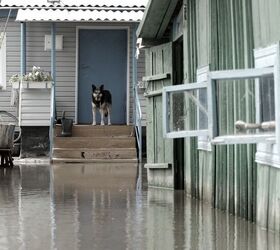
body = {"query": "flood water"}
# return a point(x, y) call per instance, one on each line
point(110, 207)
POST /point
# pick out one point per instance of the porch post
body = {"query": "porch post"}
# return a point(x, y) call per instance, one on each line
point(22, 64)
point(22, 48)
point(134, 72)
point(53, 73)
point(136, 104)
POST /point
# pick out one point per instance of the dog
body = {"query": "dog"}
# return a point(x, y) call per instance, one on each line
point(101, 101)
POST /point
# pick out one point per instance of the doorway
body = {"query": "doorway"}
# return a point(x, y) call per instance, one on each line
point(102, 59)
point(178, 78)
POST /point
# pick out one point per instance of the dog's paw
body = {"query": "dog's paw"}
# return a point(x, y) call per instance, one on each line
point(94, 123)
point(109, 123)
point(102, 123)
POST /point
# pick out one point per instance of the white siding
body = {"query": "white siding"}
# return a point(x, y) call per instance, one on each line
point(35, 107)
point(12, 63)
point(65, 61)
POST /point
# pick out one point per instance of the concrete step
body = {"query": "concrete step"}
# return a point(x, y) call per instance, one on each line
point(99, 131)
point(99, 153)
point(94, 142)
point(78, 160)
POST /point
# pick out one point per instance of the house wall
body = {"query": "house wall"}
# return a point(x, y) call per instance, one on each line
point(217, 35)
point(266, 31)
point(225, 39)
point(65, 62)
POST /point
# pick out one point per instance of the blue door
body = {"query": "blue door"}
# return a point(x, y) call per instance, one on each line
point(102, 60)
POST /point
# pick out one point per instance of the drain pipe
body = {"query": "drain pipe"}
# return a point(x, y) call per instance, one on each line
point(22, 64)
point(53, 89)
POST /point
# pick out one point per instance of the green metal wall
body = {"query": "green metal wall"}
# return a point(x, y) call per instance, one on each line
point(267, 31)
point(219, 33)
point(266, 22)
point(159, 149)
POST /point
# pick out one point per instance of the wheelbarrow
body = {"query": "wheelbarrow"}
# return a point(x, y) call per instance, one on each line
point(7, 140)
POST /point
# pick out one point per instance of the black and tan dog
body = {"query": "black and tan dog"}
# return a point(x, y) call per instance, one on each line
point(101, 101)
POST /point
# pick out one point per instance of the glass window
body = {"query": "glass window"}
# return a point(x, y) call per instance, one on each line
point(185, 110)
point(243, 106)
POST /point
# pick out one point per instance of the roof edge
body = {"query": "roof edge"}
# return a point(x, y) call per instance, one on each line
point(156, 18)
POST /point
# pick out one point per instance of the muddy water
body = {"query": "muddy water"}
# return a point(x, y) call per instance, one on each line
point(108, 207)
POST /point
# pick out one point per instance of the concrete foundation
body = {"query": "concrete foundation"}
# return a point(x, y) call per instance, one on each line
point(34, 142)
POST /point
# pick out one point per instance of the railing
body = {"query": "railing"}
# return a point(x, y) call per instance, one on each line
point(138, 123)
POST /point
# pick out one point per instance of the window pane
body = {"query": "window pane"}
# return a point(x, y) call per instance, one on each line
point(188, 110)
point(203, 117)
point(267, 99)
point(237, 110)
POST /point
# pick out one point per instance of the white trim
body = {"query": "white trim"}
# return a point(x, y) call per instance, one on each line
point(267, 154)
point(3, 56)
point(184, 87)
point(267, 57)
point(203, 142)
point(186, 133)
point(128, 77)
point(240, 74)
point(244, 139)
point(103, 27)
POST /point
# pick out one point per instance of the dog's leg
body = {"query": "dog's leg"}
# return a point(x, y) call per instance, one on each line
point(109, 115)
point(93, 114)
point(102, 117)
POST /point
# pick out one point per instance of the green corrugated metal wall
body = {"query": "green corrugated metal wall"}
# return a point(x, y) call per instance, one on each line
point(219, 33)
point(267, 31)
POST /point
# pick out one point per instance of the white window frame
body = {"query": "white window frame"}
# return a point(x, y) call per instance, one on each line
point(267, 62)
point(270, 154)
point(165, 101)
point(3, 78)
point(243, 74)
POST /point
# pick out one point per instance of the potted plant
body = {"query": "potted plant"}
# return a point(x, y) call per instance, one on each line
point(37, 78)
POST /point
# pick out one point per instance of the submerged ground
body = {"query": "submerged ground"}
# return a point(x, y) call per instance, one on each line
point(110, 207)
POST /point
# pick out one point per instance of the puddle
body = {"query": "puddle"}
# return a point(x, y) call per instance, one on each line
point(108, 207)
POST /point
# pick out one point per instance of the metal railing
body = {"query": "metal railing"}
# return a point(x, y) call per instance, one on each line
point(138, 123)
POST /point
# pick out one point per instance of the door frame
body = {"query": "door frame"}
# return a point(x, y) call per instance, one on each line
point(103, 27)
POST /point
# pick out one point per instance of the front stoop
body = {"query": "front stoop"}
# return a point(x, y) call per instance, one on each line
point(98, 144)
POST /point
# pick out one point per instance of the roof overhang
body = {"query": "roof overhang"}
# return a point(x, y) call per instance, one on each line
point(71, 3)
point(64, 15)
point(156, 19)
point(77, 11)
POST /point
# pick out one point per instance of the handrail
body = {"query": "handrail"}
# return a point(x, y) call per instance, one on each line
point(138, 123)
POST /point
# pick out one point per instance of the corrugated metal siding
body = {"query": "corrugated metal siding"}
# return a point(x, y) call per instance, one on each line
point(266, 22)
point(65, 61)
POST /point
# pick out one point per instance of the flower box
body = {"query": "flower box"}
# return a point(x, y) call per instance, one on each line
point(33, 85)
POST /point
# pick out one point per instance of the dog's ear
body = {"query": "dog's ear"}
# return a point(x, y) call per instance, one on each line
point(101, 87)
point(93, 87)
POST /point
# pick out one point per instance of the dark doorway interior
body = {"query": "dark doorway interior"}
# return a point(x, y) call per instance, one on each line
point(178, 78)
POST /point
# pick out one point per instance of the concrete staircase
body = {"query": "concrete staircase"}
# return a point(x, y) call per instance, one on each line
point(88, 143)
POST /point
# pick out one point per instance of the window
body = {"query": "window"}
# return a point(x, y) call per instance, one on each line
point(245, 93)
point(2, 61)
point(185, 112)
point(228, 107)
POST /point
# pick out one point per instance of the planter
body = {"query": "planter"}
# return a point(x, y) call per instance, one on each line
point(33, 85)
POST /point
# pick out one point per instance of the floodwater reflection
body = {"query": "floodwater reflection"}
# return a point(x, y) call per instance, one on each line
point(106, 207)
